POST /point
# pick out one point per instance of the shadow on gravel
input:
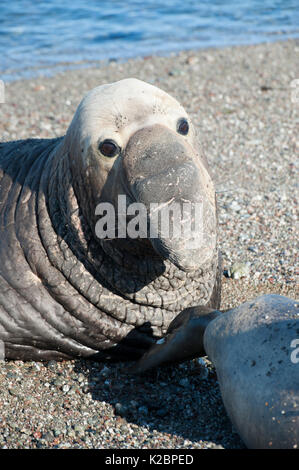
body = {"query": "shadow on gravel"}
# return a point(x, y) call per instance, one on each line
point(179, 400)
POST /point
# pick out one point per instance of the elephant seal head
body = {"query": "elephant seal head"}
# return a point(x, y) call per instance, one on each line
point(133, 140)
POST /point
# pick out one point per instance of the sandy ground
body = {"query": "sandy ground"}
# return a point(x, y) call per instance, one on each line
point(244, 107)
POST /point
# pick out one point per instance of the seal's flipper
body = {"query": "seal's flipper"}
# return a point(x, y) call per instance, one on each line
point(183, 340)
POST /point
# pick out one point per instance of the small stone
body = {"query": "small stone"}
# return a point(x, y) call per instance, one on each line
point(71, 433)
point(79, 429)
point(133, 403)
point(239, 270)
point(143, 410)
point(203, 371)
point(11, 375)
point(48, 436)
point(184, 382)
point(235, 206)
point(39, 88)
point(14, 391)
point(192, 60)
point(209, 58)
point(105, 372)
point(162, 412)
point(121, 410)
point(175, 72)
point(58, 382)
point(52, 365)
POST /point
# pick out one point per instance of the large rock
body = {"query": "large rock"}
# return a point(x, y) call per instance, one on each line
point(253, 348)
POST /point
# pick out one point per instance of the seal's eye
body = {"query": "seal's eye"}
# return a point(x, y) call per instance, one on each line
point(109, 148)
point(183, 126)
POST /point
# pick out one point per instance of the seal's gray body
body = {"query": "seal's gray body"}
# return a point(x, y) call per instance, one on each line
point(63, 293)
point(252, 348)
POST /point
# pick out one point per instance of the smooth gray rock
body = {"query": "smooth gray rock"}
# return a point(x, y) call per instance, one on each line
point(253, 348)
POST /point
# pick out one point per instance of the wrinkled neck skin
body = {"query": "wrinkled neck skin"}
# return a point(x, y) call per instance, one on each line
point(130, 269)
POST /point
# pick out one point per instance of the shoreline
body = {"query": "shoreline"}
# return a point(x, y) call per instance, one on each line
point(240, 100)
point(84, 64)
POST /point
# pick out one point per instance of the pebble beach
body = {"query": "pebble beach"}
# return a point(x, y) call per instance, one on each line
point(244, 105)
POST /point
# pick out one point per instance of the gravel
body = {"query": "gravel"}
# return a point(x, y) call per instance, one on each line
point(239, 98)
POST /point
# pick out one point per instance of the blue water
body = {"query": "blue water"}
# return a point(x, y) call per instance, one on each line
point(37, 36)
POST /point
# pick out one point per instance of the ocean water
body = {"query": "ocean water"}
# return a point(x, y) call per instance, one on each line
point(37, 37)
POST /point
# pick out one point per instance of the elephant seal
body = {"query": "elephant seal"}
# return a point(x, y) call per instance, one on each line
point(255, 350)
point(65, 291)
point(252, 348)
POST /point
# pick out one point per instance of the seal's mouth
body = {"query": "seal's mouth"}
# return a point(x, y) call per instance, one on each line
point(190, 254)
point(180, 258)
